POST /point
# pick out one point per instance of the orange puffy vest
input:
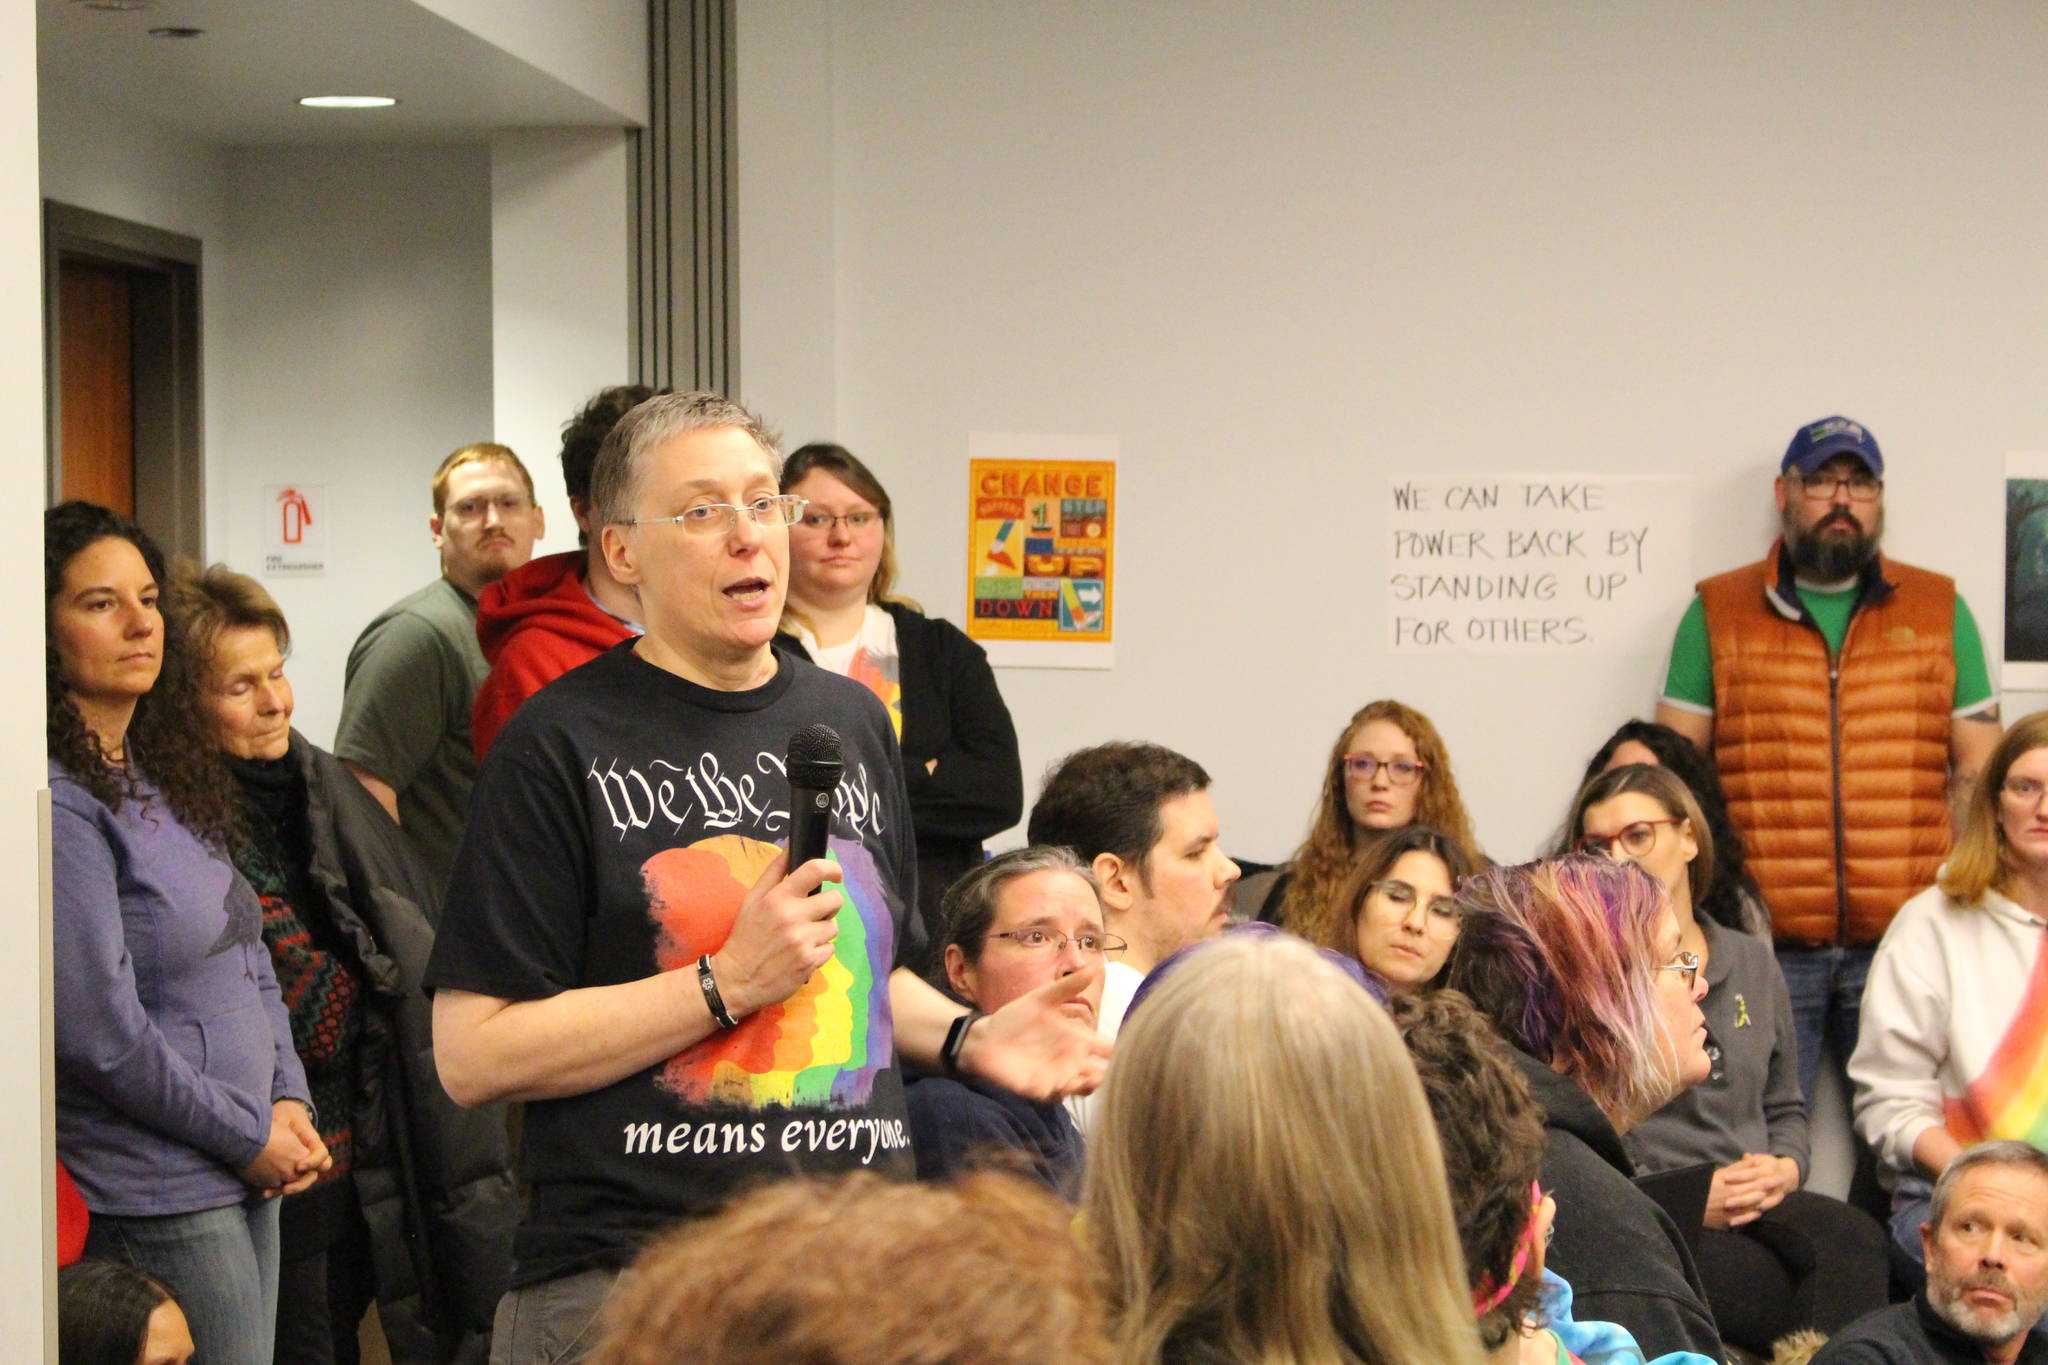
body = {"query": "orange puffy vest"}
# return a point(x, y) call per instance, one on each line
point(1836, 770)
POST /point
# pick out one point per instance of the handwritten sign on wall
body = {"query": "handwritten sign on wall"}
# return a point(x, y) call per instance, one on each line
point(1537, 563)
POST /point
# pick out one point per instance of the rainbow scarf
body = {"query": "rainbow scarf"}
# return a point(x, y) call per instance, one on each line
point(2010, 1098)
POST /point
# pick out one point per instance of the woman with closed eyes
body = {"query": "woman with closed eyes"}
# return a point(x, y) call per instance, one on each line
point(1404, 917)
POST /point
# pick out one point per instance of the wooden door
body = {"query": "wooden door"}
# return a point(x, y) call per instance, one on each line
point(96, 388)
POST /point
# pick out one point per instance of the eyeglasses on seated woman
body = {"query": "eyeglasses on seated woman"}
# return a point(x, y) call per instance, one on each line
point(1387, 770)
point(1017, 923)
point(1564, 957)
point(1405, 914)
point(1761, 1254)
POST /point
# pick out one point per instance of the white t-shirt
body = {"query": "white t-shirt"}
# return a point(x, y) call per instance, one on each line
point(1119, 984)
point(870, 658)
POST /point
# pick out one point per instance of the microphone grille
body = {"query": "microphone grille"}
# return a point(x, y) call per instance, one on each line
point(816, 757)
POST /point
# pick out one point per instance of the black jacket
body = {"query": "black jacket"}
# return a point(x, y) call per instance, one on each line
point(952, 712)
point(434, 1179)
point(1624, 1258)
point(1911, 1334)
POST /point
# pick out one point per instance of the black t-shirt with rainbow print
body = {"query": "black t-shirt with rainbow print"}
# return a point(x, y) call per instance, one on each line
point(622, 816)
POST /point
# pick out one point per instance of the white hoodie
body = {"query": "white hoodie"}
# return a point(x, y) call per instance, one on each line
point(1946, 983)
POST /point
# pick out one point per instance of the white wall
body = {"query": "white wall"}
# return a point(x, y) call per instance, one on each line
point(560, 293)
point(1287, 252)
point(785, 211)
point(98, 158)
point(27, 1213)
point(598, 47)
point(356, 354)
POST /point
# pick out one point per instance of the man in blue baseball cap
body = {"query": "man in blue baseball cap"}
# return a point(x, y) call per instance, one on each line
point(1844, 697)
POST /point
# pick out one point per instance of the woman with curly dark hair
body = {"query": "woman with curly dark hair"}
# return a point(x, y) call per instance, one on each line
point(182, 1110)
point(1732, 897)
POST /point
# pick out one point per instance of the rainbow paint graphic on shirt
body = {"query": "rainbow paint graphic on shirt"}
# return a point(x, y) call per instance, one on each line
point(822, 1047)
point(2010, 1098)
point(878, 675)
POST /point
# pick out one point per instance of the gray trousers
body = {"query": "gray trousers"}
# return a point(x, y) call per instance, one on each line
point(553, 1322)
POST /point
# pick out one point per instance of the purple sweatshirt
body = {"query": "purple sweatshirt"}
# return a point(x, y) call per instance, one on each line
point(172, 1041)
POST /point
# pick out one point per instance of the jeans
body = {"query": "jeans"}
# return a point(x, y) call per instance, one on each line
point(1826, 986)
point(220, 1264)
point(553, 1322)
point(1912, 1201)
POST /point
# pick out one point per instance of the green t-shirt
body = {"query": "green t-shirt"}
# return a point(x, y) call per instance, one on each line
point(1689, 681)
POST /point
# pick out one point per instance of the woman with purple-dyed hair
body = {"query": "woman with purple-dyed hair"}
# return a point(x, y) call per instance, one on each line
point(1576, 961)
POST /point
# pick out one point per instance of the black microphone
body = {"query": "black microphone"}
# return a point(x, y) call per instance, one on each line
point(815, 761)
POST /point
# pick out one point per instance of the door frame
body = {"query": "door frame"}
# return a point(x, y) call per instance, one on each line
point(170, 472)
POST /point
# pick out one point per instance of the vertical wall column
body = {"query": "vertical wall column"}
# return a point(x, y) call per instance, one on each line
point(561, 285)
point(27, 1199)
point(685, 300)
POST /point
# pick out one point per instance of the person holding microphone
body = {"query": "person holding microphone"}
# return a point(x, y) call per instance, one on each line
point(625, 946)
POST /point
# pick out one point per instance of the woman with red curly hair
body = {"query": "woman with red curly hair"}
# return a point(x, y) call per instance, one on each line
point(1388, 770)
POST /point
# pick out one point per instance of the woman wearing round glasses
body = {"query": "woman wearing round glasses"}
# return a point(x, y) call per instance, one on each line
point(1576, 961)
point(1388, 770)
point(1761, 1256)
point(1952, 1032)
point(960, 760)
point(1017, 922)
point(1732, 897)
point(1404, 916)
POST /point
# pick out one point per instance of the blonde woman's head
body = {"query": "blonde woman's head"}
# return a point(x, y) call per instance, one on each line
point(1264, 1181)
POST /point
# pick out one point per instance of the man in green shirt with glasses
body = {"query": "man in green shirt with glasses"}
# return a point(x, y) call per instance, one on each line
point(1844, 696)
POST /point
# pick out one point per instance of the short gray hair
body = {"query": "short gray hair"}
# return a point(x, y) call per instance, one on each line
point(615, 474)
point(970, 904)
point(2001, 1153)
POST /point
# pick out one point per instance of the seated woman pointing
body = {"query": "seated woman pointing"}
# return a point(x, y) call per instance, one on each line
point(1020, 921)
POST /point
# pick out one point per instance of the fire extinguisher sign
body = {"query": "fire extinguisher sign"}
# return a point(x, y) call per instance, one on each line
point(294, 529)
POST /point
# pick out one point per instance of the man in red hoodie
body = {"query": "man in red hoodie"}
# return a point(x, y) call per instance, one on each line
point(553, 613)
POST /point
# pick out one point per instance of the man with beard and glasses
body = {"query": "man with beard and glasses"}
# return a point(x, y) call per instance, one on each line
point(1844, 697)
point(1987, 1271)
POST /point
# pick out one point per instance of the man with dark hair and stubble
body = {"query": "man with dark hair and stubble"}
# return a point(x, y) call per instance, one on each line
point(553, 613)
point(1141, 817)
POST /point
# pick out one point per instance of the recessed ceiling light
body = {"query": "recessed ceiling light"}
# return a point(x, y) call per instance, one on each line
point(348, 101)
point(176, 32)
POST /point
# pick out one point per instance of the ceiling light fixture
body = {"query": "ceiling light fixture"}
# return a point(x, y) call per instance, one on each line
point(176, 32)
point(118, 6)
point(348, 101)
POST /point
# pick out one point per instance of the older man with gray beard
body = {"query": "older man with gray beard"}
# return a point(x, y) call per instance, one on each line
point(1987, 1271)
